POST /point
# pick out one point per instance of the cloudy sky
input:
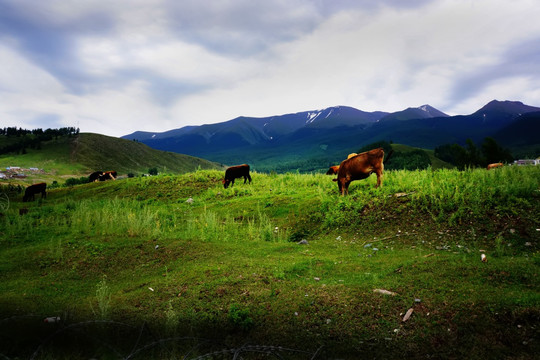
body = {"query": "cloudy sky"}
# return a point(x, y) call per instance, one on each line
point(115, 66)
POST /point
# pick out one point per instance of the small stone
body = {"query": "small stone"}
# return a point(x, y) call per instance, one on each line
point(385, 292)
point(408, 314)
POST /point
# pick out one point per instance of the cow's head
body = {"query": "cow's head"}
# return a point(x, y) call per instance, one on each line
point(226, 183)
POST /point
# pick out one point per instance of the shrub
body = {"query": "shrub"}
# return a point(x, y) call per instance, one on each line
point(239, 317)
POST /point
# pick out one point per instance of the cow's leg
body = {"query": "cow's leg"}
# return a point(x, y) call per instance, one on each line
point(249, 178)
point(232, 182)
point(43, 194)
point(346, 188)
point(379, 178)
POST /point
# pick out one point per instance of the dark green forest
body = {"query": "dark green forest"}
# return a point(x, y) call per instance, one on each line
point(18, 140)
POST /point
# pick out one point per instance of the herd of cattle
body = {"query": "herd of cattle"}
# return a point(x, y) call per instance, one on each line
point(355, 167)
point(31, 191)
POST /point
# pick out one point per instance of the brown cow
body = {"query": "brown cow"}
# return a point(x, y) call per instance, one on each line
point(495, 165)
point(235, 172)
point(33, 190)
point(333, 170)
point(359, 167)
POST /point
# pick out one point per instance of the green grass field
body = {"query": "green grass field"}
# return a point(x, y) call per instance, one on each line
point(213, 268)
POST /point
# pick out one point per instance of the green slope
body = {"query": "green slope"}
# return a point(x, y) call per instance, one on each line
point(436, 163)
point(99, 152)
point(88, 152)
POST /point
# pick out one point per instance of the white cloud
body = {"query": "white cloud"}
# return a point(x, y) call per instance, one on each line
point(116, 110)
point(18, 75)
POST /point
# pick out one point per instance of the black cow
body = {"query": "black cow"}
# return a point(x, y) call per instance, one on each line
point(95, 176)
point(33, 190)
point(107, 175)
point(102, 176)
point(235, 172)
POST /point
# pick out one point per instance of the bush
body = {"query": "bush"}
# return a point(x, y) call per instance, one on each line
point(75, 181)
point(239, 317)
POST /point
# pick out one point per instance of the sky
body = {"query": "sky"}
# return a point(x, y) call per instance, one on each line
point(117, 66)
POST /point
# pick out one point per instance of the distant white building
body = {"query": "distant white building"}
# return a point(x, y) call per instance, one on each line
point(527, 162)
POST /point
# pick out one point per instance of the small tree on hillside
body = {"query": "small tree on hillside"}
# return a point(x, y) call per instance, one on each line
point(494, 153)
point(153, 171)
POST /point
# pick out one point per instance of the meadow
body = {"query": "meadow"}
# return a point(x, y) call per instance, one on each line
point(176, 266)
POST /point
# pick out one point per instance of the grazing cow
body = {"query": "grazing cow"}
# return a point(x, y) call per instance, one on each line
point(95, 176)
point(33, 190)
point(333, 170)
point(235, 172)
point(495, 165)
point(107, 175)
point(359, 167)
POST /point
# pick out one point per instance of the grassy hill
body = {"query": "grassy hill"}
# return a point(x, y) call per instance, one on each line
point(436, 163)
point(175, 266)
point(88, 152)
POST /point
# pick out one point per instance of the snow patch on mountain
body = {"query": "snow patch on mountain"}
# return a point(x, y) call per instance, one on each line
point(313, 116)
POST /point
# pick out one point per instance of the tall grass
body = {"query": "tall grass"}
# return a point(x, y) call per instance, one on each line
point(448, 196)
point(115, 217)
point(210, 226)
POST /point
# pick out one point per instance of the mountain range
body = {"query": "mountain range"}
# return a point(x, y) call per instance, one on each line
point(312, 140)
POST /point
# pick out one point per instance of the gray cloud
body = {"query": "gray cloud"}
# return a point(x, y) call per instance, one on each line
point(520, 60)
point(120, 66)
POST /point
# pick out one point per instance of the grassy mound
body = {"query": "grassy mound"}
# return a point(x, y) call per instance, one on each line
point(171, 266)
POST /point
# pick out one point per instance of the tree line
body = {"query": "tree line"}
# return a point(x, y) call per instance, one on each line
point(462, 157)
point(18, 140)
point(470, 155)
